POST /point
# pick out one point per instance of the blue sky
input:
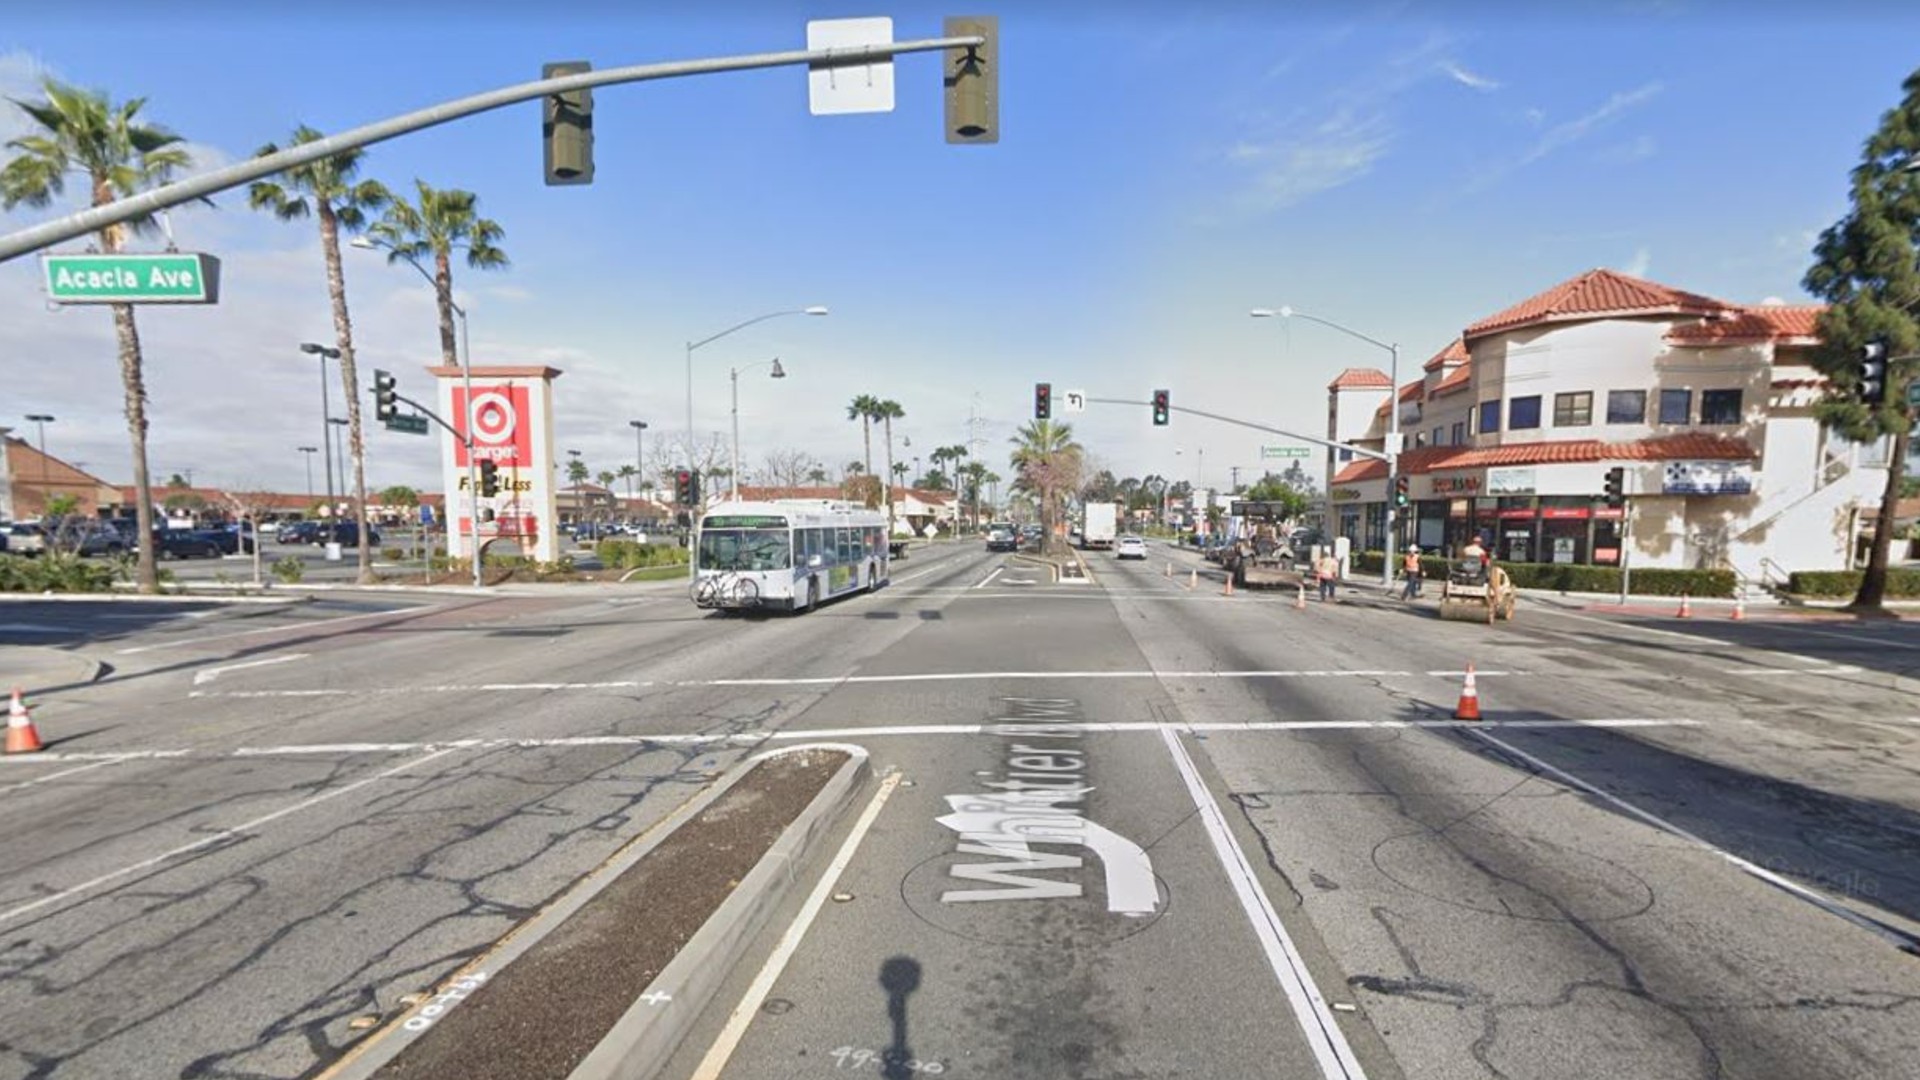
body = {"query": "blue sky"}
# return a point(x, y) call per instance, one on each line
point(1403, 168)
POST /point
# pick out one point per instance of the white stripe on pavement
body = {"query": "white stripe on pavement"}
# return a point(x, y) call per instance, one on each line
point(997, 571)
point(282, 628)
point(1322, 1031)
point(203, 677)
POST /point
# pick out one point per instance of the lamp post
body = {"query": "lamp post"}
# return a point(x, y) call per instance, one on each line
point(367, 243)
point(325, 353)
point(1393, 420)
point(817, 309)
point(339, 452)
point(308, 452)
point(40, 422)
point(778, 372)
point(639, 452)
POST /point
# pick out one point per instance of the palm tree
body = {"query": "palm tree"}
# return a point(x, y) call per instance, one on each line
point(887, 412)
point(975, 473)
point(445, 220)
point(627, 473)
point(1048, 464)
point(863, 409)
point(327, 189)
point(83, 132)
point(992, 480)
point(854, 468)
point(816, 476)
point(577, 472)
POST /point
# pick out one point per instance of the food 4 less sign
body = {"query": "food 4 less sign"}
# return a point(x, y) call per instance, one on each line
point(173, 278)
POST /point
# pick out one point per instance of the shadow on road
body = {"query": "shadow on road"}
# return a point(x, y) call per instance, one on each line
point(899, 977)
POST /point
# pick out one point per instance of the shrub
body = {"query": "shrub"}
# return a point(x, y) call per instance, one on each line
point(53, 571)
point(1842, 584)
point(289, 568)
point(392, 554)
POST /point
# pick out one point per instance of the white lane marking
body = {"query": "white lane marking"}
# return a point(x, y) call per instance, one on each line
point(33, 628)
point(1897, 937)
point(203, 677)
point(215, 838)
point(1310, 1009)
point(715, 1061)
point(1862, 638)
point(1836, 669)
point(989, 578)
point(54, 755)
point(63, 772)
point(283, 628)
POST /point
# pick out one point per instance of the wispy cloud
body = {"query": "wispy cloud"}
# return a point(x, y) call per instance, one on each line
point(1625, 153)
point(1467, 78)
point(1567, 133)
point(1641, 263)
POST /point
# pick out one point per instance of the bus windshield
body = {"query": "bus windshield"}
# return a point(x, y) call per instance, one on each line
point(745, 549)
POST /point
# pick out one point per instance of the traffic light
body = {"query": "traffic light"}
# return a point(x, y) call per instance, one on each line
point(384, 405)
point(489, 479)
point(686, 487)
point(1043, 401)
point(1616, 487)
point(1162, 409)
point(1402, 491)
point(566, 127)
point(973, 81)
point(1873, 372)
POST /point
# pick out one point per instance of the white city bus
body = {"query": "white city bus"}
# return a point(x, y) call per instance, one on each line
point(788, 555)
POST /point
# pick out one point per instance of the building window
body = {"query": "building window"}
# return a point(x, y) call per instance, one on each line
point(1676, 406)
point(1459, 432)
point(1439, 436)
point(1419, 439)
point(1573, 410)
point(1524, 412)
point(1719, 406)
point(1489, 416)
point(1626, 406)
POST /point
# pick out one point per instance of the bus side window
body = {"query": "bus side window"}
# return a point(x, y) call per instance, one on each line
point(812, 543)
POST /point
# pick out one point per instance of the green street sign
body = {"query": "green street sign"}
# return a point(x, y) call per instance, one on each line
point(174, 278)
point(411, 425)
point(1285, 452)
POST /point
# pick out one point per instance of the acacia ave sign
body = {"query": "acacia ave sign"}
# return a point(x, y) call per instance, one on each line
point(172, 278)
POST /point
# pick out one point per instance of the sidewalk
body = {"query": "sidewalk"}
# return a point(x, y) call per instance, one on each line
point(40, 668)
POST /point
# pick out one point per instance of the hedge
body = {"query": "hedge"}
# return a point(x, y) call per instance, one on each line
point(628, 554)
point(1901, 583)
point(1570, 577)
point(54, 572)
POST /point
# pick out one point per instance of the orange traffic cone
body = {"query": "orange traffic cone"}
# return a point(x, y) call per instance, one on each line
point(1686, 609)
point(21, 736)
point(1739, 608)
point(1300, 598)
point(1229, 589)
point(1469, 706)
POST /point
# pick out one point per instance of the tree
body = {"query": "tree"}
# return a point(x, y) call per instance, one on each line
point(1047, 462)
point(444, 221)
point(1864, 267)
point(327, 189)
point(933, 480)
point(887, 412)
point(853, 468)
point(865, 409)
point(577, 472)
point(1271, 488)
point(606, 478)
point(627, 473)
point(79, 131)
point(399, 495)
point(790, 468)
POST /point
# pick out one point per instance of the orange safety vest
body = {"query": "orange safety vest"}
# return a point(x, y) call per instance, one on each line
point(1410, 562)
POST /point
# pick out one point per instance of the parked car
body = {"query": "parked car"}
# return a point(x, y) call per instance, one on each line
point(298, 532)
point(24, 538)
point(104, 540)
point(999, 539)
point(347, 534)
point(186, 544)
point(1130, 547)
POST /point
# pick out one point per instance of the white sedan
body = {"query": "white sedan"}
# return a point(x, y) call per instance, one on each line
point(1130, 547)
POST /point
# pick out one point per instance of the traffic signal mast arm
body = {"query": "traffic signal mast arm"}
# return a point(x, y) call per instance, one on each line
point(1328, 443)
point(466, 439)
point(46, 234)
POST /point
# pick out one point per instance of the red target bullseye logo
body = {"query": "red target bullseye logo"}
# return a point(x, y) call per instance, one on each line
point(500, 428)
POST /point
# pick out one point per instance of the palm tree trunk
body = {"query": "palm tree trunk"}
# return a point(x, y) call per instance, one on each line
point(443, 293)
point(866, 432)
point(349, 378)
point(134, 383)
point(888, 421)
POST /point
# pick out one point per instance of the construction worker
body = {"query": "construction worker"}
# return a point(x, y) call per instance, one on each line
point(1328, 571)
point(1410, 564)
point(1474, 550)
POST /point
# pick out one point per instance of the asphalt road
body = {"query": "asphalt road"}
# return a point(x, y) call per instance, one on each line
point(1138, 829)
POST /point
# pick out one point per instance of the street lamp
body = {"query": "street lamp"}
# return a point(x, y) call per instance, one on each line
point(639, 452)
point(339, 432)
point(367, 243)
point(308, 452)
point(1393, 420)
point(325, 353)
point(40, 421)
point(778, 372)
point(817, 309)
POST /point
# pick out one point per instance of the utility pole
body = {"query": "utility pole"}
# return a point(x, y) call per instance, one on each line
point(1235, 470)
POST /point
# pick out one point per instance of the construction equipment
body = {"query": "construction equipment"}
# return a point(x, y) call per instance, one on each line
point(1258, 555)
point(1477, 591)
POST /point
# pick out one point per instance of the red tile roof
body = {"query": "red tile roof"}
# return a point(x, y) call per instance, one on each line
point(1355, 378)
point(1457, 379)
point(1455, 353)
point(1598, 294)
point(1413, 391)
point(1687, 445)
point(1768, 322)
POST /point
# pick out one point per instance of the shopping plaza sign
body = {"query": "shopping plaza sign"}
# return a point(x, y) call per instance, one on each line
point(1707, 478)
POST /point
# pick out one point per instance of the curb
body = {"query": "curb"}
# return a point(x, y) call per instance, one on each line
point(695, 972)
point(641, 1041)
point(149, 598)
point(83, 670)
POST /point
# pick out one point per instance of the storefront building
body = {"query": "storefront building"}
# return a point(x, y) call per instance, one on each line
point(1707, 407)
